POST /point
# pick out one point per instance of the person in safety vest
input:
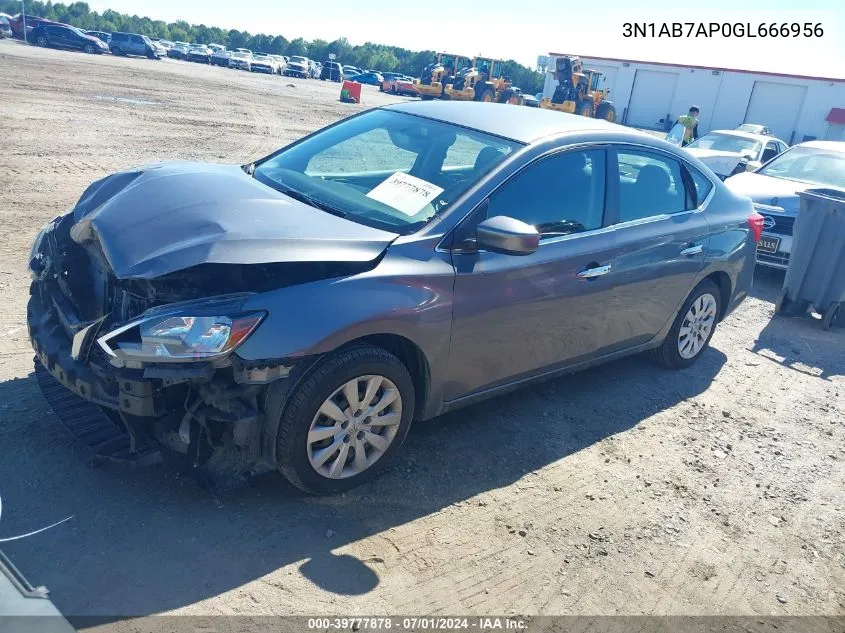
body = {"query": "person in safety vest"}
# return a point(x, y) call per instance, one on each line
point(690, 123)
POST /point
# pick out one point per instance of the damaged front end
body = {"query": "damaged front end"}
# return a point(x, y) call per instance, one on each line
point(151, 361)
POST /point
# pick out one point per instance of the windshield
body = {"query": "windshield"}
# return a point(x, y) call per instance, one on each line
point(385, 169)
point(808, 164)
point(726, 143)
point(298, 60)
point(240, 55)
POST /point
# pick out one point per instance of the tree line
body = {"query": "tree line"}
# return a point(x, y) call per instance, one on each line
point(369, 55)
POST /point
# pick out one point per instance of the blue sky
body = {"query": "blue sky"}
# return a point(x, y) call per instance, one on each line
point(524, 30)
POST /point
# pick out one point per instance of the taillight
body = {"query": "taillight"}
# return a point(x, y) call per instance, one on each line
point(755, 221)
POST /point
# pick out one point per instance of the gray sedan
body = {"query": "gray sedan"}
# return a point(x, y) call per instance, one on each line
point(298, 313)
point(775, 187)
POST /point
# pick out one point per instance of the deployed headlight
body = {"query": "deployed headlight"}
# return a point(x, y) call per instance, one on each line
point(180, 337)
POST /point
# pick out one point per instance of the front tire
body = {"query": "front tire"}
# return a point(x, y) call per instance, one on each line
point(693, 328)
point(89, 48)
point(606, 111)
point(41, 41)
point(346, 421)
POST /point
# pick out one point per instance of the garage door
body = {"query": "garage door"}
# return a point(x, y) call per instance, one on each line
point(776, 105)
point(651, 99)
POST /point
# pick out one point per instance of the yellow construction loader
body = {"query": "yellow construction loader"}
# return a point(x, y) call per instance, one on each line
point(484, 81)
point(579, 91)
point(442, 71)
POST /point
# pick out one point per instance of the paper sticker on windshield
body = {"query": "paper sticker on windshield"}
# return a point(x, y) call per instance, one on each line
point(405, 193)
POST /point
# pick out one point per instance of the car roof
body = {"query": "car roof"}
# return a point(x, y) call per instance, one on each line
point(521, 124)
point(750, 135)
point(831, 146)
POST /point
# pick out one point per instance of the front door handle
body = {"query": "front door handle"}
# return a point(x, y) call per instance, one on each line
point(693, 250)
point(592, 273)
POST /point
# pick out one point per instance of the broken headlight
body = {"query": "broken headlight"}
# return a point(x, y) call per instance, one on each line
point(179, 337)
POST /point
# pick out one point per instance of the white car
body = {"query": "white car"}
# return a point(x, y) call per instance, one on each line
point(264, 63)
point(240, 60)
point(729, 152)
point(755, 129)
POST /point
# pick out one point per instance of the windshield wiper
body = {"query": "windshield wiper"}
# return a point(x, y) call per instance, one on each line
point(318, 204)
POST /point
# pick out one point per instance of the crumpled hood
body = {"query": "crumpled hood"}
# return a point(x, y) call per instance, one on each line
point(769, 191)
point(722, 163)
point(168, 217)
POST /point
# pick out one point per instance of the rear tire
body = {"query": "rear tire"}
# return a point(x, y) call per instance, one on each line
point(703, 301)
point(116, 51)
point(296, 450)
point(831, 317)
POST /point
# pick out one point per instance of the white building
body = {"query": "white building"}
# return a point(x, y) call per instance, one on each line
point(653, 95)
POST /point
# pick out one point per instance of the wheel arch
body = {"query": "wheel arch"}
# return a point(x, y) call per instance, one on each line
point(725, 285)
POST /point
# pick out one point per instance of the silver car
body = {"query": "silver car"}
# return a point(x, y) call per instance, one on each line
point(774, 189)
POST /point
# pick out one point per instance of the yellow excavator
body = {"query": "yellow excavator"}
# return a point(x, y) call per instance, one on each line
point(484, 81)
point(442, 71)
point(579, 91)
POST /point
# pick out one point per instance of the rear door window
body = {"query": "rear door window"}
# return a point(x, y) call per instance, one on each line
point(650, 184)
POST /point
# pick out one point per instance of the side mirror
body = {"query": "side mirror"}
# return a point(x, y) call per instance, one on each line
point(507, 236)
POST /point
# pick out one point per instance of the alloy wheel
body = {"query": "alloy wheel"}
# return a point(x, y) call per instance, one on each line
point(354, 427)
point(697, 326)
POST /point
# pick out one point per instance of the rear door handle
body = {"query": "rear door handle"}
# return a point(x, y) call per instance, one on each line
point(592, 273)
point(693, 250)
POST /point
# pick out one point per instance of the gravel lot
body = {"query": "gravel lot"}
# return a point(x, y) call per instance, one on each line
point(626, 489)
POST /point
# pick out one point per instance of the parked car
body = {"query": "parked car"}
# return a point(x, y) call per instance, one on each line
point(5, 27)
point(331, 71)
point(753, 128)
point(167, 44)
point(774, 189)
point(221, 57)
point(16, 23)
point(281, 62)
point(388, 77)
point(263, 63)
point(199, 53)
point(297, 66)
point(243, 50)
point(461, 275)
point(216, 47)
point(401, 86)
point(531, 101)
point(101, 35)
point(316, 69)
point(136, 44)
point(351, 70)
point(65, 36)
point(371, 79)
point(729, 152)
point(240, 60)
point(179, 50)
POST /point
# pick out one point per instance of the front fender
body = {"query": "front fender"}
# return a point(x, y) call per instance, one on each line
point(405, 296)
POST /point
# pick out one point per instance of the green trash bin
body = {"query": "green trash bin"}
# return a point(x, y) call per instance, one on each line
point(815, 275)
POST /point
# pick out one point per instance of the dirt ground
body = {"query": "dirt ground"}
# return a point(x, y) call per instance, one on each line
point(626, 489)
